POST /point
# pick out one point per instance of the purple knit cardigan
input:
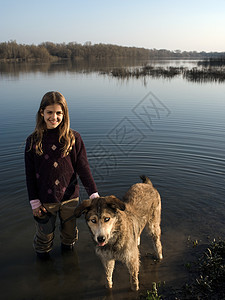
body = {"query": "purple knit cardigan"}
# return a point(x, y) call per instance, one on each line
point(52, 178)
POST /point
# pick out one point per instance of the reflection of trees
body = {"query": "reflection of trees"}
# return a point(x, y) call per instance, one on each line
point(118, 68)
point(80, 66)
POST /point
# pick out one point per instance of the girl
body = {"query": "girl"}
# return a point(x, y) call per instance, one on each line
point(54, 156)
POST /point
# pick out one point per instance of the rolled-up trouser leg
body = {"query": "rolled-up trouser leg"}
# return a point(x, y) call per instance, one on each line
point(69, 231)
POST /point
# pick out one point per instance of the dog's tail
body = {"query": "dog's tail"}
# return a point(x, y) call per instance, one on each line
point(145, 179)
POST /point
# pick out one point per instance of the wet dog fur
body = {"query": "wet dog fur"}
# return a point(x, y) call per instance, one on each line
point(116, 227)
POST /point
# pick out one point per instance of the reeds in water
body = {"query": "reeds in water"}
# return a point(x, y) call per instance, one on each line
point(202, 74)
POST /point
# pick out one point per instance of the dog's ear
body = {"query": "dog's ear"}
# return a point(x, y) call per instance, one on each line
point(82, 208)
point(115, 203)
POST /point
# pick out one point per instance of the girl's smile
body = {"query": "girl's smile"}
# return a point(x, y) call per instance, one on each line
point(53, 115)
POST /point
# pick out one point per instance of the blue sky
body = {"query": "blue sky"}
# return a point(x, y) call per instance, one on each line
point(162, 24)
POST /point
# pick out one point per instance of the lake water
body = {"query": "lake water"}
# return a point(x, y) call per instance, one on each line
point(170, 130)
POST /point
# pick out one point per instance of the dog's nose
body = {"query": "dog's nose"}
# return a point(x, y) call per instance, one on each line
point(101, 239)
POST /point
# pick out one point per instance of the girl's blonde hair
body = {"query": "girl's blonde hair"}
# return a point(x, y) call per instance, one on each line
point(66, 136)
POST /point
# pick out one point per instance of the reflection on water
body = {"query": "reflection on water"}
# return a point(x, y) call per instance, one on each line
point(124, 69)
point(83, 66)
point(86, 66)
point(128, 132)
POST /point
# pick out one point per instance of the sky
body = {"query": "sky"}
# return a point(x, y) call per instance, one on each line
point(153, 24)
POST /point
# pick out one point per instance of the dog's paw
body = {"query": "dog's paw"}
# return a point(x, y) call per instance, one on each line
point(134, 284)
point(159, 257)
point(109, 284)
point(135, 287)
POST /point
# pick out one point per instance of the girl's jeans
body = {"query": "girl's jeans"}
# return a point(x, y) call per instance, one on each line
point(43, 239)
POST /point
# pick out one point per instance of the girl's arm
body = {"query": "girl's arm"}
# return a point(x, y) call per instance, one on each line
point(83, 169)
point(30, 173)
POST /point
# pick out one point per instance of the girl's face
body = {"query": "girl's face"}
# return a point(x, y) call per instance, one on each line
point(53, 115)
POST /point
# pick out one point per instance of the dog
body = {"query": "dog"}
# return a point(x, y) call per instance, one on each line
point(116, 227)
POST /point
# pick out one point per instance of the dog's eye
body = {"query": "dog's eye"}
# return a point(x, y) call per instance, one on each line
point(93, 220)
point(106, 219)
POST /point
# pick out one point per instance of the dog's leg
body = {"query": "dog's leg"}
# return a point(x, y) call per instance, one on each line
point(133, 267)
point(155, 232)
point(109, 267)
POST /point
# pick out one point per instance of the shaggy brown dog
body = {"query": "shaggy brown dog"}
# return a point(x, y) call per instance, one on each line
point(116, 226)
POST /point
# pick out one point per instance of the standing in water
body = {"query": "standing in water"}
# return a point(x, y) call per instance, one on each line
point(55, 156)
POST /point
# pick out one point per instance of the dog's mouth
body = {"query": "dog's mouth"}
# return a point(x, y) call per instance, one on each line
point(101, 244)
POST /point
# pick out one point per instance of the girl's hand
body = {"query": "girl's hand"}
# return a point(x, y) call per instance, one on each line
point(37, 212)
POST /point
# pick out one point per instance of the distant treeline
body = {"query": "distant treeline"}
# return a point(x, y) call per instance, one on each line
point(49, 51)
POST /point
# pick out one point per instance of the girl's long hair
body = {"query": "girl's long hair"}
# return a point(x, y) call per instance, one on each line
point(66, 136)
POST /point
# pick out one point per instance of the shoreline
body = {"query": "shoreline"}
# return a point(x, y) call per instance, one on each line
point(206, 276)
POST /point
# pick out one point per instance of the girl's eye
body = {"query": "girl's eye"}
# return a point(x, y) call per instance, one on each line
point(106, 219)
point(59, 113)
point(93, 220)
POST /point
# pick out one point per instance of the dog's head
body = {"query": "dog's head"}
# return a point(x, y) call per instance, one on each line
point(101, 216)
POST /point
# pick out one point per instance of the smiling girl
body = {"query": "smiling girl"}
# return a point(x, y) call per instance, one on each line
point(55, 156)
